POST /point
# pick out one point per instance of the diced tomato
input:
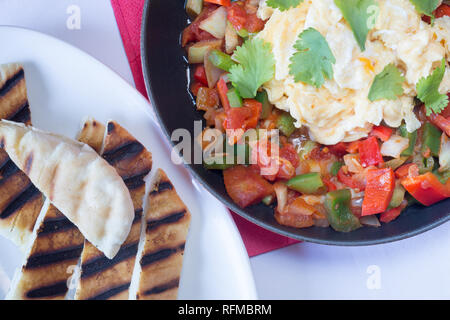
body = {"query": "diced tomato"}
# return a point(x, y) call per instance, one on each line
point(297, 213)
point(237, 15)
point(223, 90)
point(382, 132)
point(200, 75)
point(193, 33)
point(339, 149)
point(225, 3)
point(288, 152)
point(245, 186)
point(353, 147)
point(369, 152)
point(245, 117)
point(379, 189)
point(272, 166)
point(329, 184)
point(253, 23)
point(355, 181)
point(195, 86)
point(442, 10)
point(426, 188)
point(409, 169)
point(207, 98)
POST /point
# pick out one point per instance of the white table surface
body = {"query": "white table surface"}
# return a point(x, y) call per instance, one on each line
point(417, 268)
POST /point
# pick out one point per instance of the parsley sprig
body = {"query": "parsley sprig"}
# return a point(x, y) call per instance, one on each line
point(428, 91)
point(312, 62)
point(387, 84)
point(283, 5)
point(256, 65)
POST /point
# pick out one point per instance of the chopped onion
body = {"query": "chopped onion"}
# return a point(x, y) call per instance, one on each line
point(321, 223)
point(371, 221)
point(394, 146)
point(281, 192)
point(352, 163)
point(216, 23)
point(444, 153)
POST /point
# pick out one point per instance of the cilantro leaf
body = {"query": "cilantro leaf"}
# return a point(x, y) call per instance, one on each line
point(313, 61)
point(427, 91)
point(361, 16)
point(425, 7)
point(387, 84)
point(283, 5)
point(256, 66)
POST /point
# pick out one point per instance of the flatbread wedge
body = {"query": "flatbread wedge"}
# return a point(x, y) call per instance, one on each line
point(102, 278)
point(20, 201)
point(78, 182)
point(57, 247)
point(167, 224)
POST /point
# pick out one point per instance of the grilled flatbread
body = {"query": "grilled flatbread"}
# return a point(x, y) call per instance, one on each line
point(20, 201)
point(56, 248)
point(102, 278)
point(82, 185)
point(167, 226)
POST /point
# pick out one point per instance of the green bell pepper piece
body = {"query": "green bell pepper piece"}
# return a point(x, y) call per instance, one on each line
point(268, 200)
point(431, 139)
point(412, 136)
point(335, 167)
point(267, 107)
point(285, 124)
point(340, 217)
point(221, 60)
point(397, 197)
point(308, 183)
point(234, 98)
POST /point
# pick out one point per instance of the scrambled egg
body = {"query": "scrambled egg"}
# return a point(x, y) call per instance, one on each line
point(340, 110)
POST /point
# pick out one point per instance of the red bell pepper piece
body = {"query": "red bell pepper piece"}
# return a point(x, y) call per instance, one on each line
point(225, 3)
point(223, 90)
point(390, 215)
point(369, 152)
point(426, 188)
point(245, 186)
point(379, 189)
point(195, 86)
point(200, 75)
point(381, 132)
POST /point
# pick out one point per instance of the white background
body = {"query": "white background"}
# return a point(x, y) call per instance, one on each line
point(417, 268)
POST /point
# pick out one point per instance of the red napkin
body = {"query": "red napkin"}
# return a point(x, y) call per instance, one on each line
point(128, 15)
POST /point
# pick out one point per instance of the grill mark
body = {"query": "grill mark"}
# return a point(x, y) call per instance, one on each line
point(172, 218)
point(12, 82)
point(57, 289)
point(54, 225)
point(164, 287)
point(8, 169)
point(136, 181)
point(23, 198)
point(111, 292)
point(125, 151)
point(151, 258)
point(163, 186)
point(102, 263)
point(48, 258)
point(23, 114)
point(137, 215)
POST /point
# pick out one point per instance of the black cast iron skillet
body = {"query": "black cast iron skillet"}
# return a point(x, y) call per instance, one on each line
point(165, 74)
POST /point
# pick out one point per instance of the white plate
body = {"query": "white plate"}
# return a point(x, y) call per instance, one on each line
point(65, 85)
